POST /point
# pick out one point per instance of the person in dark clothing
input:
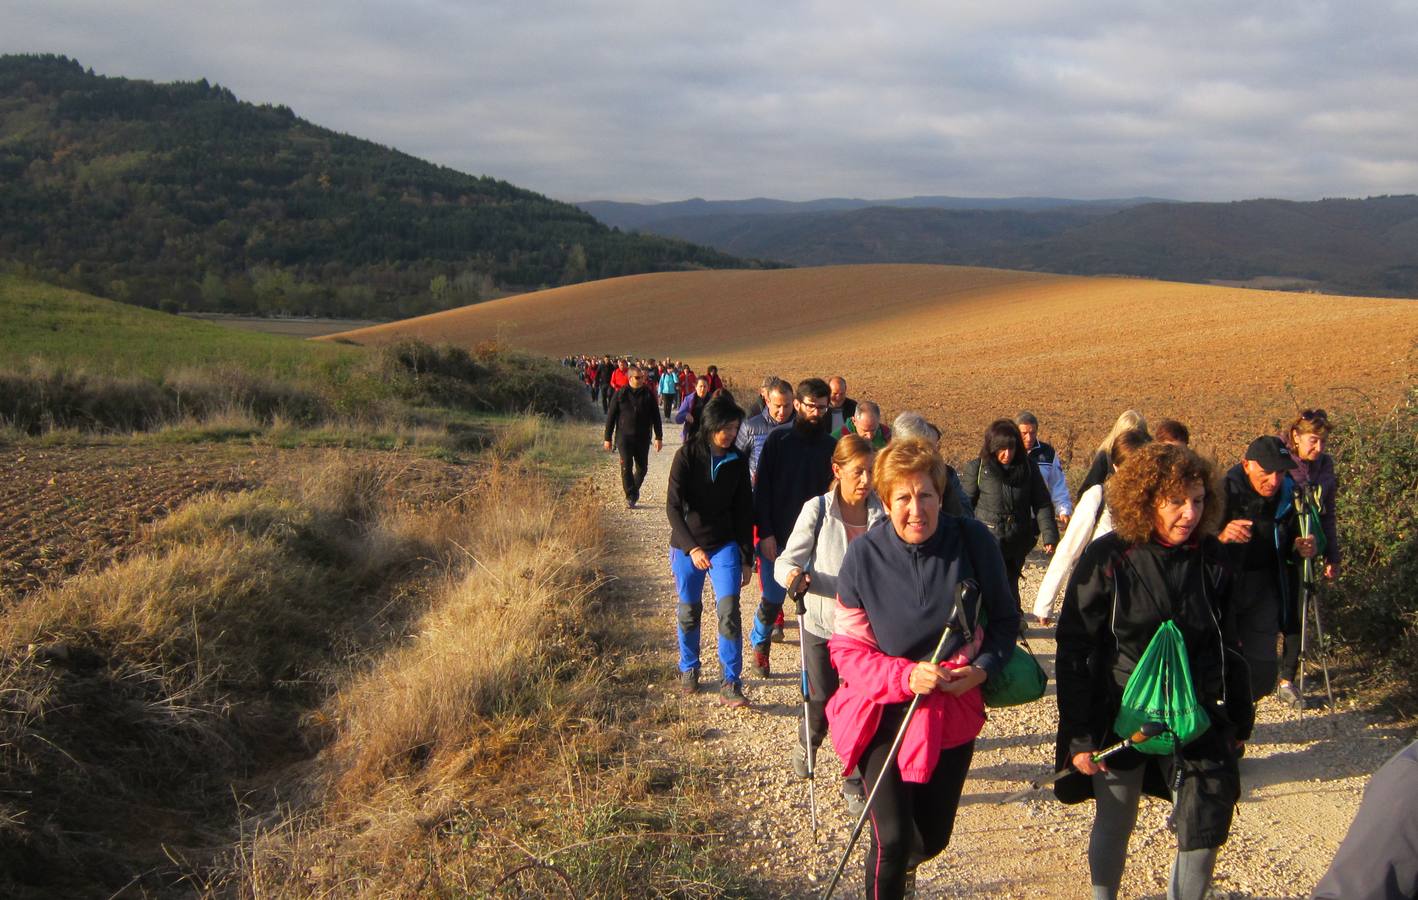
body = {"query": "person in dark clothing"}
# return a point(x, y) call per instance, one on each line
point(604, 369)
point(710, 507)
point(794, 466)
point(1262, 533)
point(1008, 494)
point(632, 418)
point(1160, 564)
point(1102, 466)
point(691, 409)
point(1378, 859)
point(841, 408)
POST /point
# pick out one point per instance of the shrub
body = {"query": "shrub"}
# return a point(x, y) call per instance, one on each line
point(498, 380)
point(1374, 607)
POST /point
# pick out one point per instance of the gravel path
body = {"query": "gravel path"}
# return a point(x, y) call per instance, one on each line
point(1301, 781)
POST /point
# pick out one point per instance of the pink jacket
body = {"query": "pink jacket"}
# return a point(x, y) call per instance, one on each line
point(871, 679)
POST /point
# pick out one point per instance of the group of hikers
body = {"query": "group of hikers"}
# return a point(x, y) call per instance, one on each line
point(890, 554)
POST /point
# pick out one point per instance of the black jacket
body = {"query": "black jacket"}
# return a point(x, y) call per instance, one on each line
point(1013, 501)
point(1116, 599)
point(792, 469)
point(1098, 472)
point(635, 413)
point(1271, 548)
point(708, 507)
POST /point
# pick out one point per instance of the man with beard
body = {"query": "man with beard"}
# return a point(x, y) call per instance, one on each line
point(1262, 532)
point(795, 466)
point(635, 415)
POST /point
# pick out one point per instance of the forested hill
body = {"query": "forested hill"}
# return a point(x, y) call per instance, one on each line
point(184, 197)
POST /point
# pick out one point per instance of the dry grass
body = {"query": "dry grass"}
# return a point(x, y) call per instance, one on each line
point(329, 688)
point(968, 345)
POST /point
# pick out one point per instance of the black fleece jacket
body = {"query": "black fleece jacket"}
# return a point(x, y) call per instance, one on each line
point(635, 413)
point(709, 506)
point(793, 467)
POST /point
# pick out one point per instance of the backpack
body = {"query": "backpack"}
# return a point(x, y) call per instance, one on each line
point(1160, 690)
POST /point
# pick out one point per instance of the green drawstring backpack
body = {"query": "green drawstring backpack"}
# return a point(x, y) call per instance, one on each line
point(1160, 690)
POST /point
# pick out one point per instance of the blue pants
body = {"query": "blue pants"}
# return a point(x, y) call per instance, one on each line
point(725, 573)
point(773, 595)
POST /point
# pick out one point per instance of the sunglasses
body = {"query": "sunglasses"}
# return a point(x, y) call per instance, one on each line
point(1314, 415)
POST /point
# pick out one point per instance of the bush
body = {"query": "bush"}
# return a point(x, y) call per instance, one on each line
point(1374, 608)
point(498, 380)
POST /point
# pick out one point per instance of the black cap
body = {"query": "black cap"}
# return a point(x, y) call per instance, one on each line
point(1271, 453)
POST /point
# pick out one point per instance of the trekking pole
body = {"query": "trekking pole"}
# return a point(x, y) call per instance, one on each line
point(1147, 731)
point(796, 590)
point(968, 588)
point(1309, 605)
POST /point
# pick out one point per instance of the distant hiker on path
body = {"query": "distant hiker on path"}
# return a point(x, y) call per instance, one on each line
point(1098, 472)
point(1009, 496)
point(1161, 564)
point(1046, 459)
point(1262, 533)
point(669, 391)
point(795, 465)
point(633, 417)
point(691, 409)
point(604, 369)
point(867, 424)
point(826, 527)
point(710, 507)
point(843, 407)
point(896, 593)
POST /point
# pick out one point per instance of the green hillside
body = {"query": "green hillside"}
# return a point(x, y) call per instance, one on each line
point(180, 196)
point(66, 328)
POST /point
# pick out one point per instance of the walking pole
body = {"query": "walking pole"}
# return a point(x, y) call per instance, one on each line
point(1309, 604)
point(968, 588)
point(796, 591)
point(1148, 730)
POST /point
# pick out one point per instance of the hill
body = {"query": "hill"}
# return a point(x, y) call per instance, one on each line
point(181, 195)
point(966, 345)
point(1365, 247)
point(646, 215)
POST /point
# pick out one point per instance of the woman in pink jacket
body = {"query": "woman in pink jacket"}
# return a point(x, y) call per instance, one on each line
point(896, 593)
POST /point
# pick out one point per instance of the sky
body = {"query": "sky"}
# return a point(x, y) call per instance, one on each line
point(664, 100)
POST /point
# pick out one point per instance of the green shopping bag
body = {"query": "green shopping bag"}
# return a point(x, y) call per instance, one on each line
point(1160, 690)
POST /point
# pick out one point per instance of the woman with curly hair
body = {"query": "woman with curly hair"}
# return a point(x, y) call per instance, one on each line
point(1161, 563)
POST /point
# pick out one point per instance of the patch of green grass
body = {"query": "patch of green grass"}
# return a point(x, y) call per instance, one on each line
point(78, 331)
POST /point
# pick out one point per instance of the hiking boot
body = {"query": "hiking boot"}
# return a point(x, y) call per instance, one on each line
point(629, 503)
point(909, 886)
point(689, 682)
point(731, 695)
point(761, 666)
point(856, 802)
point(777, 634)
point(1287, 694)
point(800, 768)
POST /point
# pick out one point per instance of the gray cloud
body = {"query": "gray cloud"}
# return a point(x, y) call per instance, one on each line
point(631, 98)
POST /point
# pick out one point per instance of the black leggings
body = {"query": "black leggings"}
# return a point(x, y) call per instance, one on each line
point(910, 823)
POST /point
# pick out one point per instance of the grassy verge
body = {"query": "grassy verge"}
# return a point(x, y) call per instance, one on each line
point(329, 689)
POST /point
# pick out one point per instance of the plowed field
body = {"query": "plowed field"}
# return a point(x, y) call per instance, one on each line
point(968, 345)
point(67, 509)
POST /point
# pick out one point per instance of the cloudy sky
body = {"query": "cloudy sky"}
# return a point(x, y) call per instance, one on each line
point(657, 99)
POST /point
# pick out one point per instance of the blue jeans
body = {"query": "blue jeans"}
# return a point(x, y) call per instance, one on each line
point(725, 573)
point(773, 595)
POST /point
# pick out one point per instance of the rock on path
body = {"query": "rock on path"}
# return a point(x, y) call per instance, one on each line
point(1301, 781)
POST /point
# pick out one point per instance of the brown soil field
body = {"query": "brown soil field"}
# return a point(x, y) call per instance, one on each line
point(80, 507)
point(965, 346)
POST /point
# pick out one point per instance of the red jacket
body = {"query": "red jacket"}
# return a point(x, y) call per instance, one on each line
point(619, 378)
point(871, 679)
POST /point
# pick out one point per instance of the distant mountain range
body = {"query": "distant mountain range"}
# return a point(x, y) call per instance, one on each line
point(1367, 246)
point(184, 197)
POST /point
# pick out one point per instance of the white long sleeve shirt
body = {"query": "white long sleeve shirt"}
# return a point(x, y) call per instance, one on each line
point(1090, 521)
